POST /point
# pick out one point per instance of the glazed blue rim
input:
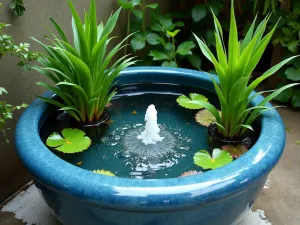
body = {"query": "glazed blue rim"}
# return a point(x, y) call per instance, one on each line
point(163, 194)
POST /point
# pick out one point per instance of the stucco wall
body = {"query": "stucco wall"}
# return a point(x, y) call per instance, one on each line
point(21, 85)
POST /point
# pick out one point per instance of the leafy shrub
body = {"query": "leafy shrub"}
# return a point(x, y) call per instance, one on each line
point(234, 69)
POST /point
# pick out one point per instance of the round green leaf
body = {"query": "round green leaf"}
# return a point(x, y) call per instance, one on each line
point(71, 141)
point(125, 4)
point(158, 55)
point(198, 12)
point(205, 117)
point(156, 27)
point(203, 159)
point(219, 158)
point(138, 13)
point(153, 39)
point(195, 60)
point(185, 48)
point(296, 99)
point(152, 6)
point(167, 24)
point(292, 74)
point(136, 2)
point(170, 64)
point(192, 102)
point(137, 43)
point(169, 48)
point(55, 140)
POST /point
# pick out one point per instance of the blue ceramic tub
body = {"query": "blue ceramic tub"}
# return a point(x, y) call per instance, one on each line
point(218, 197)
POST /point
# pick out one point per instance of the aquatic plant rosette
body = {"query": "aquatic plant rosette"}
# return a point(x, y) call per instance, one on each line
point(217, 197)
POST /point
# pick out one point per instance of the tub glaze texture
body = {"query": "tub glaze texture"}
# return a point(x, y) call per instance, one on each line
point(217, 197)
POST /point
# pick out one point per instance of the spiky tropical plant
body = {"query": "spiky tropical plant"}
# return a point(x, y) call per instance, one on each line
point(82, 72)
point(234, 68)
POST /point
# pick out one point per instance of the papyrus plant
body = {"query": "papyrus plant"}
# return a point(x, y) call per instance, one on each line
point(234, 68)
point(83, 73)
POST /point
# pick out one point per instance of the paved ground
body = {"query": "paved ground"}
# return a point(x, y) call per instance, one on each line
point(280, 200)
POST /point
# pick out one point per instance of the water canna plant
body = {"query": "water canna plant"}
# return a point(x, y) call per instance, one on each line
point(83, 73)
point(234, 68)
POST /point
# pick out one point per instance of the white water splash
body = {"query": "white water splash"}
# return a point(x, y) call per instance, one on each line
point(151, 133)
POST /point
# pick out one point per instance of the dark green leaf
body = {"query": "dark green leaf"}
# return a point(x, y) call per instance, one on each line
point(185, 48)
point(292, 74)
point(195, 60)
point(293, 46)
point(137, 43)
point(153, 39)
point(156, 27)
point(167, 24)
point(179, 24)
point(198, 12)
point(152, 6)
point(158, 55)
point(170, 48)
point(138, 13)
point(297, 63)
point(125, 4)
point(169, 64)
point(18, 7)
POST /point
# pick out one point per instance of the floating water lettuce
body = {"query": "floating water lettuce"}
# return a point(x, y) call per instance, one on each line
point(71, 141)
point(205, 117)
point(218, 159)
point(235, 150)
point(191, 102)
point(104, 172)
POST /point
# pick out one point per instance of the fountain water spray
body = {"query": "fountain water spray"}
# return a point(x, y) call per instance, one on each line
point(150, 141)
point(151, 133)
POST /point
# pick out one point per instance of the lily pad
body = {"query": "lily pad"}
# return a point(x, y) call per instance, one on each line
point(104, 172)
point(71, 141)
point(218, 159)
point(192, 102)
point(205, 117)
point(235, 151)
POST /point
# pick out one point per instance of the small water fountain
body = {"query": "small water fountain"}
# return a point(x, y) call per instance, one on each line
point(147, 142)
point(151, 133)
